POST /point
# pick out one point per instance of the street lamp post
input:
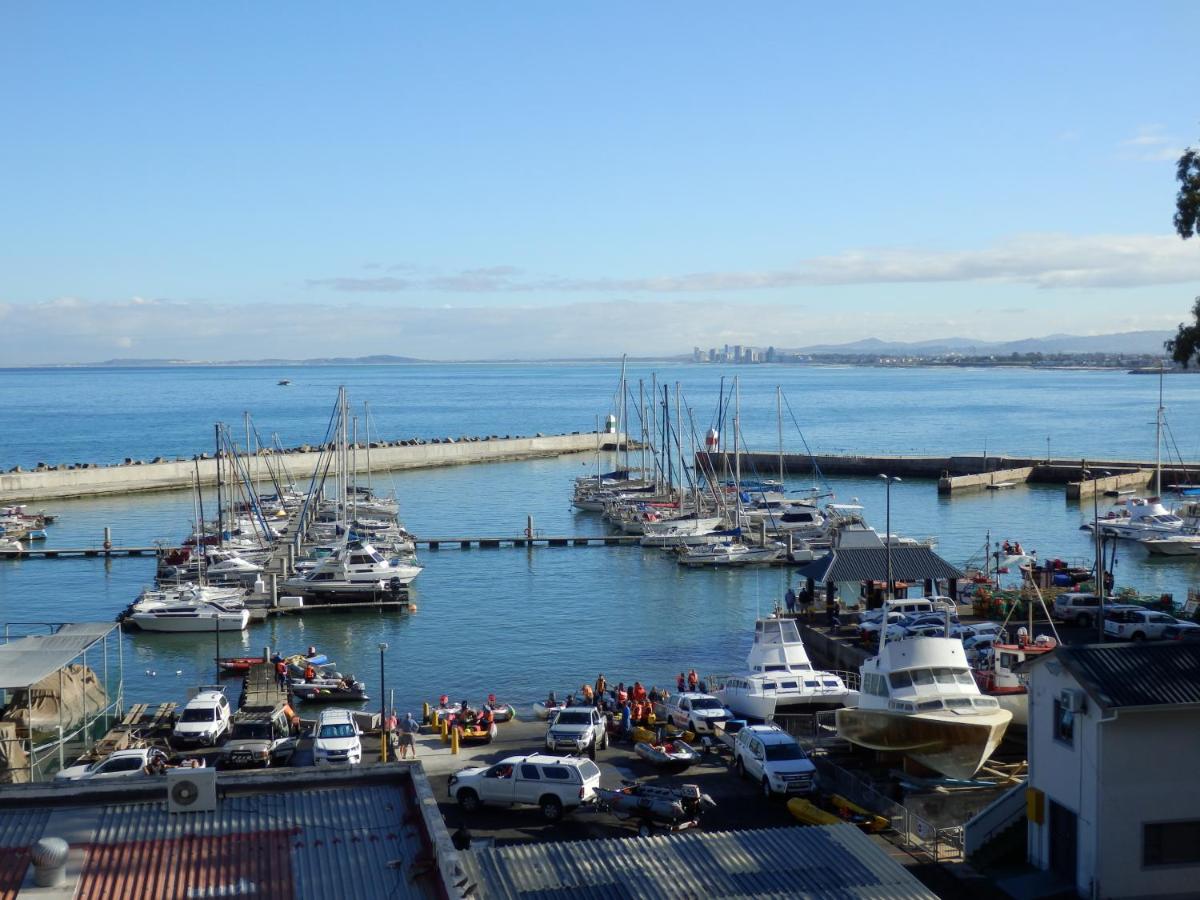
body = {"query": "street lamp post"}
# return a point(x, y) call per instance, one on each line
point(1100, 585)
point(889, 480)
point(383, 735)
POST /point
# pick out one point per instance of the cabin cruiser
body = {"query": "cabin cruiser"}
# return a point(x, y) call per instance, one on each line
point(669, 532)
point(918, 697)
point(202, 616)
point(186, 593)
point(1139, 519)
point(356, 568)
point(1002, 676)
point(779, 677)
point(728, 553)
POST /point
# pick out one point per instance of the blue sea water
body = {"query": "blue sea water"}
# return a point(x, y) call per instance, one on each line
point(521, 622)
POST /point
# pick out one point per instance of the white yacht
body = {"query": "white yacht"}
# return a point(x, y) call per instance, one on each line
point(729, 553)
point(679, 532)
point(186, 593)
point(918, 697)
point(356, 568)
point(203, 616)
point(1140, 519)
point(780, 678)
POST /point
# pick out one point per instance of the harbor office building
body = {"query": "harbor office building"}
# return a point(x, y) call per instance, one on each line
point(1114, 758)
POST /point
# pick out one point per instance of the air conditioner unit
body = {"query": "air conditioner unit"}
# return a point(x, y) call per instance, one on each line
point(191, 790)
point(1071, 700)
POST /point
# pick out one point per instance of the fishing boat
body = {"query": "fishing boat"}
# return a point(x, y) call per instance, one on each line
point(1002, 673)
point(779, 676)
point(203, 616)
point(919, 698)
point(673, 754)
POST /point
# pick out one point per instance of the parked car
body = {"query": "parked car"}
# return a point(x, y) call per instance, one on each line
point(1184, 631)
point(205, 719)
point(553, 783)
point(696, 712)
point(979, 647)
point(966, 630)
point(1142, 624)
point(772, 757)
point(1080, 609)
point(121, 764)
point(260, 736)
point(577, 729)
point(337, 739)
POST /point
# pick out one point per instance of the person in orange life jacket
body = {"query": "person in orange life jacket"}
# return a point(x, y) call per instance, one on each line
point(693, 679)
point(310, 673)
point(601, 686)
point(639, 692)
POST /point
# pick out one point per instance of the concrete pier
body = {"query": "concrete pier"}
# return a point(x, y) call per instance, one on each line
point(134, 477)
point(955, 474)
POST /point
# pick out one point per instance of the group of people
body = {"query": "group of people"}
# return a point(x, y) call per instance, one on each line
point(803, 602)
point(1013, 548)
point(400, 734)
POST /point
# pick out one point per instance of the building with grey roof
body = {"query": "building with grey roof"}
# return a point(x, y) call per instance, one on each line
point(1113, 753)
point(769, 863)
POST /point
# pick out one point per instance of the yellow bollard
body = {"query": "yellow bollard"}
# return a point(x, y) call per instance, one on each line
point(454, 740)
point(445, 729)
point(425, 714)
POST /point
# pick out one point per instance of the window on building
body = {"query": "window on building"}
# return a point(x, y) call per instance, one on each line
point(1171, 843)
point(1064, 723)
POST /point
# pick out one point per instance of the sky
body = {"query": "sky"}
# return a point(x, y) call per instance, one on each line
point(478, 180)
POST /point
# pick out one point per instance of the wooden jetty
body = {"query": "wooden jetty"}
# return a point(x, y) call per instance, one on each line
point(579, 540)
point(76, 552)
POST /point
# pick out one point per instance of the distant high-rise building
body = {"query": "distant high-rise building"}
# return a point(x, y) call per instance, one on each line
point(770, 354)
point(737, 353)
point(697, 355)
point(712, 354)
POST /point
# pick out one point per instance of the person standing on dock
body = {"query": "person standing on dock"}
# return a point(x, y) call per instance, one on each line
point(831, 616)
point(680, 683)
point(806, 604)
point(281, 673)
point(693, 680)
point(789, 600)
point(601, 688)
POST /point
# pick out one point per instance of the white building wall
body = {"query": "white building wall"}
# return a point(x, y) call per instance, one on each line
point(1149, 764)
point(1066, 774)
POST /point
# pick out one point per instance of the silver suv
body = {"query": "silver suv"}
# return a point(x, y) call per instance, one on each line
point(577, 729)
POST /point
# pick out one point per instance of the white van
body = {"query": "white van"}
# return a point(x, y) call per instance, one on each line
point(337, 740)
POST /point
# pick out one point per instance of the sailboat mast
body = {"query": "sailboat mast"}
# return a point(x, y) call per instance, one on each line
point(220, 510)
point(623, 424)
point(737, 452)
point(1158, 422)
point(367, 422)
point(354, 470)
point(779, 422)
point(642, 417)
point(679, 443)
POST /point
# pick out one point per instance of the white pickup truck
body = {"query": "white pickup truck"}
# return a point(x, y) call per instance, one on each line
point(553, 783)
point(772, 757)
point(698, 713)
point(1140, 624)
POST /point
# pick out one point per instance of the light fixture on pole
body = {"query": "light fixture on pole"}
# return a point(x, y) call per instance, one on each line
point(889, 480)
point(383, 735)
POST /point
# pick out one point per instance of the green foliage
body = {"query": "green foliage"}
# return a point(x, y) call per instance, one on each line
point(1184, 346)
point(1187, 201)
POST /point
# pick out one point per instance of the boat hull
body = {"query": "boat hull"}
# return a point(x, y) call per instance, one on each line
point(957, 747)
point(181, 624)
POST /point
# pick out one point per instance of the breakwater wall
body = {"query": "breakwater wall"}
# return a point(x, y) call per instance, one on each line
point(956, 473)
point(134, 476)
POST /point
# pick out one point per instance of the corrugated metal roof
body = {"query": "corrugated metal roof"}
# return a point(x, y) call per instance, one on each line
point(27, 660)
point(1140, 674)
point(825, 861)
point(844, 564)
point(19, 829)
point(360, 841)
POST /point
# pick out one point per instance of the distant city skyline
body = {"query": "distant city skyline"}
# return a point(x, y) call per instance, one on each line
point(482, 182)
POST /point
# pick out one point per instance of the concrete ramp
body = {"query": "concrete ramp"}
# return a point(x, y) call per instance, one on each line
point(1137, 480)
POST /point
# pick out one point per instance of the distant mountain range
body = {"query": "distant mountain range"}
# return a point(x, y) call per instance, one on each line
point(377, 360)
point(1129, 342)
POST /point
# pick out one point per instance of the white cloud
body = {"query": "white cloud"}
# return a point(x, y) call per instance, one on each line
point(1043, 260)
point(1151, 144)
point(202, 330)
